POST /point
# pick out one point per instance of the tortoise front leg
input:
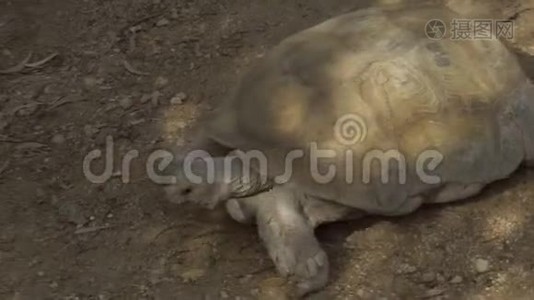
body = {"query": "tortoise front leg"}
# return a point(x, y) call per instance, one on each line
point(287, 234)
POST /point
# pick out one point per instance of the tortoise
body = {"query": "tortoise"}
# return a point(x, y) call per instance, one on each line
point(363, 114)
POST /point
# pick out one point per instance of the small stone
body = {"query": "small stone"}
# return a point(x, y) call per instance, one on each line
point(154, 100)
point(58, 139)
point(362, 293)
point(137, 122)
point(406, 269)
point(192, 275)
point(162, 22)
point(41, 194)
point(135, 29)
point(90, 130)
point(457, 279)
point(53, 285)
point(72, 213)
point(181, 124)
point(109, 216)
point(176, 101)
point(273, 289)
point(482, 265)
point(428, 277)
point(126, 102)
point(245, 279)
point(49, 89)
point(40, 273)
point(33, 262)
point(174, 13)
point(27, 111)
point(145, 98)
point(433, 293)
point(92, 218)
point(178, 98)
point(161, 82)
point(224, 295)
point(90, 82)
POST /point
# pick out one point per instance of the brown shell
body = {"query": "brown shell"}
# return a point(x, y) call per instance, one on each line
point(411, 92)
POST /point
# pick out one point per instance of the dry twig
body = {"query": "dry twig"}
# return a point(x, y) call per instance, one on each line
point(43, 61)
point(132, 70)
point(18, 67)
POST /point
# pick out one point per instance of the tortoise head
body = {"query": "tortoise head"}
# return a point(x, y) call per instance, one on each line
point(199, 181)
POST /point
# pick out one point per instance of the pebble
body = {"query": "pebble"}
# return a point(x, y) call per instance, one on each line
point(433, 293)
point(482, 265)
point(406, 269)
point(145, 98)
point(224, 295)
point(33, 262)
point(155, 98)
point(273, 289)
point(126, 102)
point(162, 22)
point(181, 124)
point(161, 81)
point(178, 98)
point(58, 139)
point(72, 213)
point(135, 29)
point(192, 275)
point(174, 13)
point(90, 130)
point(428, 277)
point(40, 273)
point(245, 279)
point(362, 294)
point(40, 195)
point(91, 82)
point(49, 89)
point(27, 111)
point(457, 279)
point(53, 285)
point(389, 2)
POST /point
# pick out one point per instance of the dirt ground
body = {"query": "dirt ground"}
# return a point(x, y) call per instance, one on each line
point(142, 71)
